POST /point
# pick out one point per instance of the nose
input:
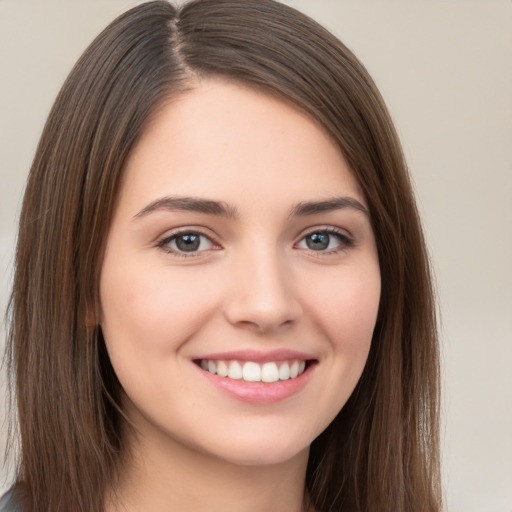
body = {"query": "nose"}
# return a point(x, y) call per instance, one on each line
point(261, 297)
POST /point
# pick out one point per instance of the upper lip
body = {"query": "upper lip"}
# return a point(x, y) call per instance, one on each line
point(257, 356)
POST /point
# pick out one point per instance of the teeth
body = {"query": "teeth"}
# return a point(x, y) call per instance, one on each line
point(254, 372)
point(284, 371)
point(269, 372)
point(235, 370)
point(251, 372)
point(222, 369)
point(294, 369)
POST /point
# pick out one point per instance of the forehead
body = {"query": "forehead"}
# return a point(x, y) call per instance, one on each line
point(223, 140)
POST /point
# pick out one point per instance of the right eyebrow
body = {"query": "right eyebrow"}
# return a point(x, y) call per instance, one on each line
point(189, 204)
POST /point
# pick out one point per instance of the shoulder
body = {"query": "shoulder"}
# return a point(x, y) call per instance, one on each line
point(8, 503)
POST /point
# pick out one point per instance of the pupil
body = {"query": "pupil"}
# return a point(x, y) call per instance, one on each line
point(317, 241)
point(188, 243)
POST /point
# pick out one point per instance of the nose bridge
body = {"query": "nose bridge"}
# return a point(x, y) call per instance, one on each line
point(262, 294)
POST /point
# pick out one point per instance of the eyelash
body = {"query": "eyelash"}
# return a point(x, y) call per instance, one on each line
point(346, 242)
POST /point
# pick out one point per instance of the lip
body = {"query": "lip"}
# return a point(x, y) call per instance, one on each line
point(257, 356)
point(259, 392)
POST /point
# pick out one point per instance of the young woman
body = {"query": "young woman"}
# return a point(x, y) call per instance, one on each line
point(222, 297)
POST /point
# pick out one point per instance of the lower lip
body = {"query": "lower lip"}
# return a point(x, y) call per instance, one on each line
point(259, 392)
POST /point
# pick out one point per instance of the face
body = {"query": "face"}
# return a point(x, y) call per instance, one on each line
point(240, 285)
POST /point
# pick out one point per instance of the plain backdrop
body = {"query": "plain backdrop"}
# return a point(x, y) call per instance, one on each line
point(445, 70)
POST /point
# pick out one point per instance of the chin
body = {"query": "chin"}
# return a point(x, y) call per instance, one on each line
point(264, 453)
point(267, 443)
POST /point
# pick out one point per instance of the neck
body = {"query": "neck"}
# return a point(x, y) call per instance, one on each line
point(162, 475)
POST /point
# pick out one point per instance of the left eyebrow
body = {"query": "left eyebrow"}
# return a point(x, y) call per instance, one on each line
point(190, 204)
point(303, 209)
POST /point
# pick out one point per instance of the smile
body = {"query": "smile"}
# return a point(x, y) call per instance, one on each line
point(258, 377)
point(250, 371)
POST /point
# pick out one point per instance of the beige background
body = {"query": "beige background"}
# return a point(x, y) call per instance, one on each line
point(445, 68)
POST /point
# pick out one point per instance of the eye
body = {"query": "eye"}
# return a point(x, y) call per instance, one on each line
point(325, 241)
point(186, 242)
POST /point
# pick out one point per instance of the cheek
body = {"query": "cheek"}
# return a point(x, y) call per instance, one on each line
point(153, 311)
point(346, 306)
point(146, 320)
point(343, 308)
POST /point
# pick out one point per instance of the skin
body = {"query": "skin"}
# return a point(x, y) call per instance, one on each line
point(253, 284)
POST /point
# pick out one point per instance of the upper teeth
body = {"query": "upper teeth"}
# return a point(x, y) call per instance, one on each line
point(250, 371)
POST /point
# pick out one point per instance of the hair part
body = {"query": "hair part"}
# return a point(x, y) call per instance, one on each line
point(381, 452)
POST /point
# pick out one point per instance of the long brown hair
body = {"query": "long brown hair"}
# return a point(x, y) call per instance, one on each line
point(380, 454)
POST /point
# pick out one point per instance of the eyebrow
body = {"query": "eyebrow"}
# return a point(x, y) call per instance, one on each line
point(190, 204)
point(222, 209)
point(304, 209)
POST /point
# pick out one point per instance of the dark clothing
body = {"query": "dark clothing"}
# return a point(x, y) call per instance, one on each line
point(8, 503)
